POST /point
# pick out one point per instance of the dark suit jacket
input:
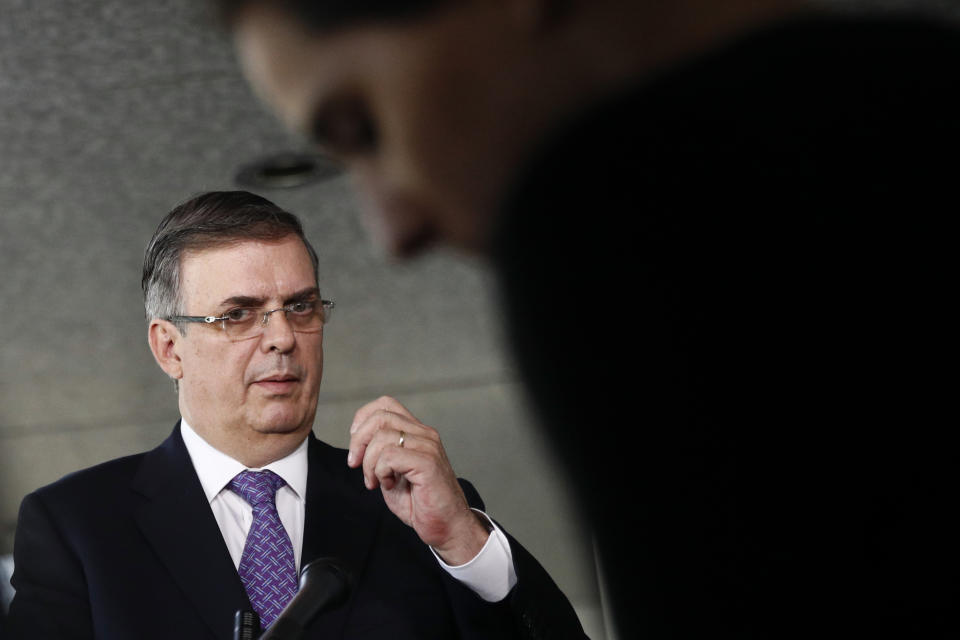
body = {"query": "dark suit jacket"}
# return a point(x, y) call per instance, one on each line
point(130, 549)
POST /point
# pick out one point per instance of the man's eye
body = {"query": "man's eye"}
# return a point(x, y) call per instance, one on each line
point(239, 315)
point(301, 308)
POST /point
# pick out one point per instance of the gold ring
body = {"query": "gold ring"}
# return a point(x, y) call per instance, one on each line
point(400, 442)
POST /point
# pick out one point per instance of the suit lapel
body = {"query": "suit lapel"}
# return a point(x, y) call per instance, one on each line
point(342, 519)
point(179, 525)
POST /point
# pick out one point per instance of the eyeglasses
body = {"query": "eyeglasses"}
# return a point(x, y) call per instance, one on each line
point(243, 323)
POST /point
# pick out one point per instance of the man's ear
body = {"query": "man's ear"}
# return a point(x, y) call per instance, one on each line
point(164, 339)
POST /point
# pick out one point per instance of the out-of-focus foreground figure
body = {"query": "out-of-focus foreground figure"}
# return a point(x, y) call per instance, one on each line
point(722, 236)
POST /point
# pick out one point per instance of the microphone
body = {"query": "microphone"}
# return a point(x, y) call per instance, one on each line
point(246, 625)
point(324, 585)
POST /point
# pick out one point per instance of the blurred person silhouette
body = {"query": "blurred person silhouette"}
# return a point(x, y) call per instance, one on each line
point(223, 514)
point(722, 234)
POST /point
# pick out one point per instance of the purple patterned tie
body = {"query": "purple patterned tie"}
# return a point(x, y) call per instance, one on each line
point(267, 566)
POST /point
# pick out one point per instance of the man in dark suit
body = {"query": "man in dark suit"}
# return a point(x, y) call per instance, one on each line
point(718, 232)
point(218, 518)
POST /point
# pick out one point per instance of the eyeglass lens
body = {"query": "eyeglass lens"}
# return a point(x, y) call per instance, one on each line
point(302, 317)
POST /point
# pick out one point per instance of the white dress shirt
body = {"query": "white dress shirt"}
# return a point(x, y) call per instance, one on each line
point(490, 574)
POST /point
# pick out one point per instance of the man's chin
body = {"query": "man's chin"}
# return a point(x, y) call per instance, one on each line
point(279, 422)
point(282, 416)
point(281, 427)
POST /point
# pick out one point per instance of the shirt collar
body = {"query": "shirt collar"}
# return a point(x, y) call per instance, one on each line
point(216, 469)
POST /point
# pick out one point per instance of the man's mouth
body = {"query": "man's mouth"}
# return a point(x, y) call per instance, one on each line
point(278, 383)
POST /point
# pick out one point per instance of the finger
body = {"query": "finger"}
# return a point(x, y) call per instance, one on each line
point(395, 465)
point(387, 441)
point(376, 422)
point(379, 419)
point(383, 403)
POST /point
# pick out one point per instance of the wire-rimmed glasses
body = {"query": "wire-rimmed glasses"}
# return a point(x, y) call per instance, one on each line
point(244, 323)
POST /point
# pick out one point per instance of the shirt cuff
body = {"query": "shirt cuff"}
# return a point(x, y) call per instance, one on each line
point(490, 574)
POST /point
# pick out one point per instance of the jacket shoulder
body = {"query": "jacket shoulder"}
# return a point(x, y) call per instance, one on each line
point(92, 483)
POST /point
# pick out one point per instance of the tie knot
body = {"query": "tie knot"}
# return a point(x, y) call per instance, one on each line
point(256, 487)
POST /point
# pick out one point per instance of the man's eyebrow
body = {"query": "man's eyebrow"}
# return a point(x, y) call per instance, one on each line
point(242, 301)
point(303, 294)
point(252, 301)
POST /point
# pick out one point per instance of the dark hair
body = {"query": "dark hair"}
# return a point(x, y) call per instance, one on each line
point(208, 220)
point(326, 15)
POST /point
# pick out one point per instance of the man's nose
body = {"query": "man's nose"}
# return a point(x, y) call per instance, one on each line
point(277, 333)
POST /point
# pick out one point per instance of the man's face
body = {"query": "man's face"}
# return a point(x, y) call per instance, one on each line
point(259, 388)
point(426, 114)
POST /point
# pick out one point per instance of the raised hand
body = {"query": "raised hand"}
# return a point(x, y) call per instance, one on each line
point(406, 460)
